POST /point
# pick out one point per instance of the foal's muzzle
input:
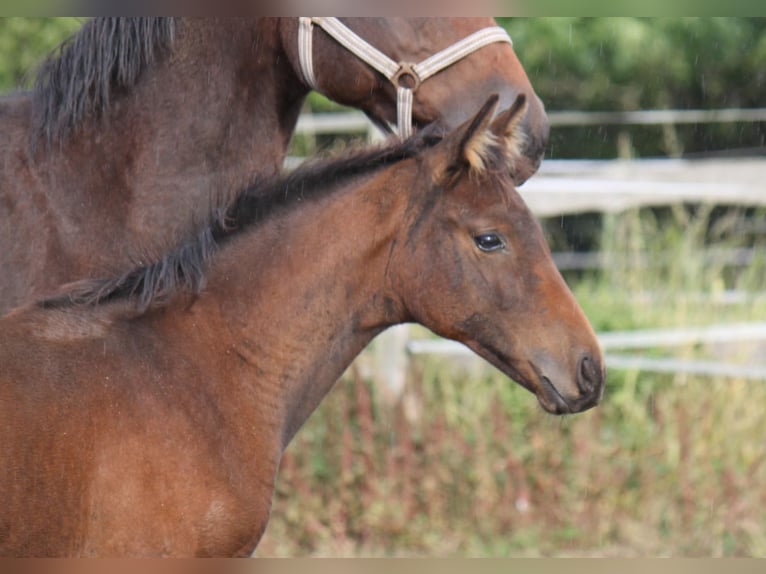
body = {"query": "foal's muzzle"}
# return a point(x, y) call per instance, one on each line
point(562, 393)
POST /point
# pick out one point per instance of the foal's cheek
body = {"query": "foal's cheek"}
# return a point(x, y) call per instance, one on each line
point(506, 294)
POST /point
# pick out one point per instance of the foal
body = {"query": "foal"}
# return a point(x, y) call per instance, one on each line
point(146, 415)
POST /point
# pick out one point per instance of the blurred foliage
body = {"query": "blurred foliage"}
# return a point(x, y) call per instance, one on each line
point(668, 465)
point(631, 63)
point(24, 42)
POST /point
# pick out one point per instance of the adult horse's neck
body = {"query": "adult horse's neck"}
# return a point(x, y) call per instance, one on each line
point(307, 291)
point(194, 124)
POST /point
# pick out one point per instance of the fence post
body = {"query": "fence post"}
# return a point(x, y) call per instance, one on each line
point(391, 362)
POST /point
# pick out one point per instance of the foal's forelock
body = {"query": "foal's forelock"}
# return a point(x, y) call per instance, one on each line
point(105, 56)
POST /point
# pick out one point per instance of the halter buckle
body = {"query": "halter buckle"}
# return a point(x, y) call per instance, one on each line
point(407, 77)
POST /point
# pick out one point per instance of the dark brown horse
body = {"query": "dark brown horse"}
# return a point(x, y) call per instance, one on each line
point(139, 124)
point(147, 415)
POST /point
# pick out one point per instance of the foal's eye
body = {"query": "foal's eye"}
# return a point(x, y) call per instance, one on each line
point(489, 242)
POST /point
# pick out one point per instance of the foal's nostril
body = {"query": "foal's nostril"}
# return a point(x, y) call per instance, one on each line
point(588, 374)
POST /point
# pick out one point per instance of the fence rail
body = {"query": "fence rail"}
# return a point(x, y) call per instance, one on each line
point(644, 339)
point(569, 186)
point(624, 340)
point(656, 117)
point(565, 187)
point(353, 121)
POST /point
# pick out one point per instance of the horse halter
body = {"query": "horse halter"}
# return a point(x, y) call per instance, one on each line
point(405, 76)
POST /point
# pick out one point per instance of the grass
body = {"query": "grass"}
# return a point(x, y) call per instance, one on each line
point(467, 464)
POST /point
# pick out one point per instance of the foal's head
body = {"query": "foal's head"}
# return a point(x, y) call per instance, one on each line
point(473, 265)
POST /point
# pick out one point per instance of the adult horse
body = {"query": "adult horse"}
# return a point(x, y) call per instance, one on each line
point(146, 415)
point(136, 126)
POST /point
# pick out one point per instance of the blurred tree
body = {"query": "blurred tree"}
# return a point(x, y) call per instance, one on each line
point(632, 63)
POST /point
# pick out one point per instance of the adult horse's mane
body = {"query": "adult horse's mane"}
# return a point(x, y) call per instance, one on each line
point(104, 58)
point(183, 269)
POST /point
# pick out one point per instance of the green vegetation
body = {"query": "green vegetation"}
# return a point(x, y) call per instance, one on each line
point(630, 63)
point(24, 42)
point(643, 63)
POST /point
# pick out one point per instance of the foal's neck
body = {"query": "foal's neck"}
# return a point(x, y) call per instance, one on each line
point(306, 292)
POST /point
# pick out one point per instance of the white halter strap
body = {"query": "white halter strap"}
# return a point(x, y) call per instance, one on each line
point(400, 74)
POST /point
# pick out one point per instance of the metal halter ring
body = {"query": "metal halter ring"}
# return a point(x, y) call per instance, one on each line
point(407, 77)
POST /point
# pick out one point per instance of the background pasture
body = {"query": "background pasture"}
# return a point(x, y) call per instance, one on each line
point(464, 462)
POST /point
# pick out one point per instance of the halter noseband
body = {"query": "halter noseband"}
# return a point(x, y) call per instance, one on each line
point(406, 77)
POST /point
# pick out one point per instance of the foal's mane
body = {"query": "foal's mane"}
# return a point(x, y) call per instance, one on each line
point(184, 268)
point(104, 58)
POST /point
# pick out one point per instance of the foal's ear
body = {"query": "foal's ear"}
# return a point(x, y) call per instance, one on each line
point(506, 128)
point(468, 145)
